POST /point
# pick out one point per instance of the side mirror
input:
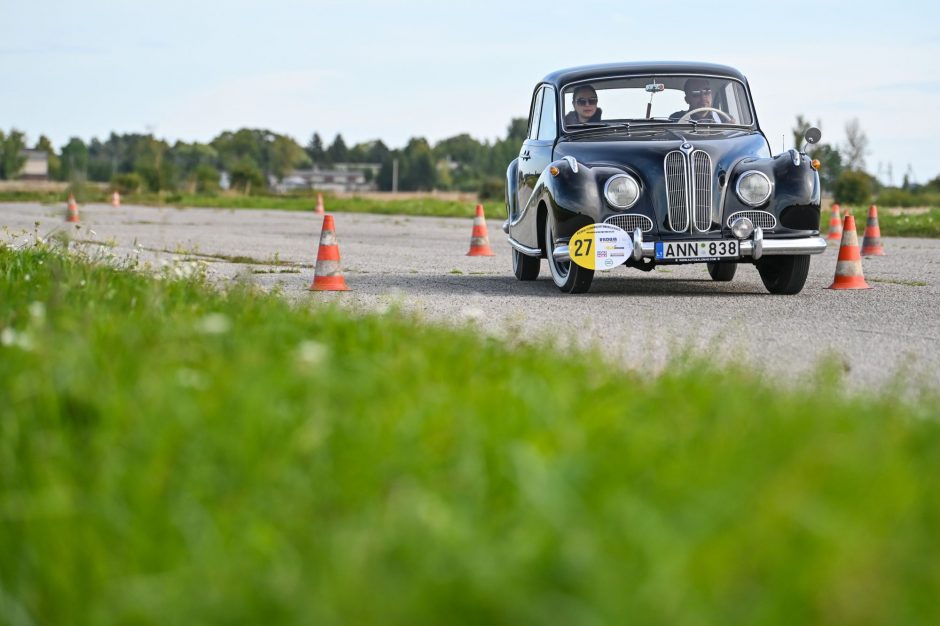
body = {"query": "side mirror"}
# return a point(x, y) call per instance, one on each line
point(812, 135)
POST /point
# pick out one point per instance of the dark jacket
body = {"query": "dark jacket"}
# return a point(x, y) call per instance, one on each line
point(572, 117)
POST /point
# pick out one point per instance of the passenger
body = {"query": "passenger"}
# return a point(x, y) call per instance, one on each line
point(584, 101)
point(698, 94)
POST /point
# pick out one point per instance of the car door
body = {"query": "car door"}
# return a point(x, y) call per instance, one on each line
point(536, 151)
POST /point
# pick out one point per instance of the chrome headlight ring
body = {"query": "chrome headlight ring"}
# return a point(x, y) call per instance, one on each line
point(756, 188)
point(622, 191)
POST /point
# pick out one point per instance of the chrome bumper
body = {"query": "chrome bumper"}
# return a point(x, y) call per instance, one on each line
point(753, 248)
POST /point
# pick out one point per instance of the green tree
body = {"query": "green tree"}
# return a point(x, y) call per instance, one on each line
point(853, 188)
point(338, 152)
point(247, 177)
point(830, 165)
point(55, 164)
point(206, 179)
point(11, 157)
point(74, 160)
point(315, 149)
point(285, 155)
point(417, 172)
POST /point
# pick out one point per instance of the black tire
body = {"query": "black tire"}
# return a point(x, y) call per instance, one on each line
point(722, 272)
point(784, 275)
point(569, 277)
point(525, 267)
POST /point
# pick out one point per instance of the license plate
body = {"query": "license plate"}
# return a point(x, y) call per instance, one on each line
point(696, 250)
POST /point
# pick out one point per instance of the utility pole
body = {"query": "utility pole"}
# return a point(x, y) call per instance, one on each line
point(394, 175)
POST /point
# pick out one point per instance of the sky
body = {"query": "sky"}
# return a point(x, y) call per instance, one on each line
point(188, 70)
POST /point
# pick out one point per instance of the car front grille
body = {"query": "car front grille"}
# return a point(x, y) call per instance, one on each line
point(689, 190)
point(762, 219)
point(630, 222)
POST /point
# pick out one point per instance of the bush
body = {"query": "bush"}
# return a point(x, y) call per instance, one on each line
point(492, 188)
point(207, 179)
point(127, 183)
point(247, 178)
point(853, 188)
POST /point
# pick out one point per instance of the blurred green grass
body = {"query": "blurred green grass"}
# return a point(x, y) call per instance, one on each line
point(924, 222)
point(172, 453)
point(419, 205)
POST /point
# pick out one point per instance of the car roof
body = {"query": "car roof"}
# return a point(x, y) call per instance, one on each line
point(560, 78)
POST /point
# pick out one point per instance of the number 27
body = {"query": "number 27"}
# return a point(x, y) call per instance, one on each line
point(580, 243)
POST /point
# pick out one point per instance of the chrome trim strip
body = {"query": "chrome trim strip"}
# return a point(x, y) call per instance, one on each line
point(572, 162)
point(749, 214)
point(777, 247)
point(676, 202)
point(767, 247)
point(701, 164)
point(757, 246)
point(523, 248)
point(637, 244)
point(628, 217)
point(795, 155)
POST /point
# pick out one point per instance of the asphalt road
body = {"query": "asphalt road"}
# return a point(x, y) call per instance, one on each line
point(643, 320)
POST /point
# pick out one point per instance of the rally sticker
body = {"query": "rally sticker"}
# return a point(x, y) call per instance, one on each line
point(600, 246)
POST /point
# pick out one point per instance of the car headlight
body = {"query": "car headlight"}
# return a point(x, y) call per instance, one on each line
point(754, 188)
point(622, 191)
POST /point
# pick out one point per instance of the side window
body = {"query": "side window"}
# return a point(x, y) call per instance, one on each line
point(548, 125)
point(535, 114)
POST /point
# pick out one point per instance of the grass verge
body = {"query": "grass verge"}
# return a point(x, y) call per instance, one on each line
point(170, 453)
point(923, 223)
point(428, 206)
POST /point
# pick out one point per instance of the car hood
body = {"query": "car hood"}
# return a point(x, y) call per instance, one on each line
point(644, 152)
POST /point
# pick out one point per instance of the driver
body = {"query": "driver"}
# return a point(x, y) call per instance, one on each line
point(584, 101)
point(698, 95)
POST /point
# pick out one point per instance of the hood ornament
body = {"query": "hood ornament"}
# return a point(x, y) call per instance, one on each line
point(686, 147)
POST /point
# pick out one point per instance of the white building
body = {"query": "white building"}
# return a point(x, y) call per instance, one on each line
point(341, 177)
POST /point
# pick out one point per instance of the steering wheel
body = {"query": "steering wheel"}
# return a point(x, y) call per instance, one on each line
point(688, 116)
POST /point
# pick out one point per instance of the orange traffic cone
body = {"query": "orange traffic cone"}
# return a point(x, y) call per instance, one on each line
point(479, 240)
point(871, 245)
point(319, 209)
point(835, 225)
point(849, 267)
point(115, 199)
point(72, 215)
point(327, 275)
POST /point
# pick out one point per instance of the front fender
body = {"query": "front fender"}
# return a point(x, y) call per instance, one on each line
point(575, 195)
point(795, 199)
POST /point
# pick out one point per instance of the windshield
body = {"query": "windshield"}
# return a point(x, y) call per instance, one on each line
point(669, 99)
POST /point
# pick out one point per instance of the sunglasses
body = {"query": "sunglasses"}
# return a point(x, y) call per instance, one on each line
point(586, 101)
point(695, 93)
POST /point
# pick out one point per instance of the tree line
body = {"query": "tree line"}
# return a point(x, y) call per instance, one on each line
point(256, 158)
point(843, 171)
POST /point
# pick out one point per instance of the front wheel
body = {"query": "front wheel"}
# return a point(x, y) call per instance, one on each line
point(525, 267)
point(569, 277)
point(784, 274)
point(721, 272)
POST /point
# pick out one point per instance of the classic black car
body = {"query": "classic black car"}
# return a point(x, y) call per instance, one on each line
point(670, 153)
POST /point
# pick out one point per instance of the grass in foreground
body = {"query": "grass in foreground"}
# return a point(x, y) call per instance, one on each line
point(170, 454)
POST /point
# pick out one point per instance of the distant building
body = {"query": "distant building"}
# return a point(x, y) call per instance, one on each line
point(36, 166)
point(341, 177)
